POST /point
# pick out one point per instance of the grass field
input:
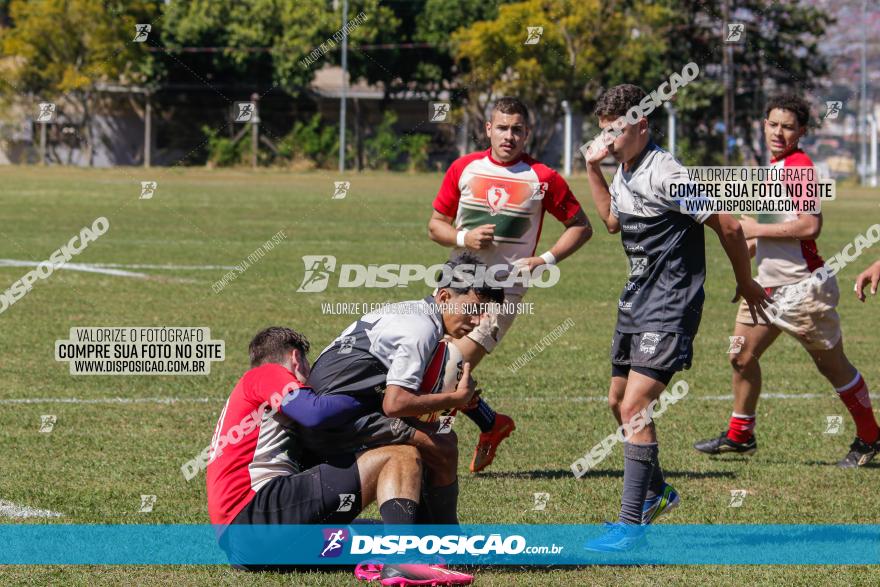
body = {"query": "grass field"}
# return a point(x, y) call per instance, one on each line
point(101, 457)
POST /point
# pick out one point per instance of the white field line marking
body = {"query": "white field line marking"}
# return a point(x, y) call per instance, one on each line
point(14, 510)
point(118, 269)
point(166, 266)
point(75, 267)
point(113, 400)
point(206, 400)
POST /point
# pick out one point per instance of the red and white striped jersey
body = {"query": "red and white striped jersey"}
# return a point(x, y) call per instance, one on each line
point(513, 196)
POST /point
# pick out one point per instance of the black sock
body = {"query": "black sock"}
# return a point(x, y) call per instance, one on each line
point(482, 415)
point(441, 504)
point(638, 465)
point(655, 488)
point(399, 511)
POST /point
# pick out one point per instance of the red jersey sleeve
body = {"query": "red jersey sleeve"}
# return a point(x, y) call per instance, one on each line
point(447, 198)
point(559, 200)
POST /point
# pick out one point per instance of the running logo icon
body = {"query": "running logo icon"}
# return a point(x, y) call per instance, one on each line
point(47, 423)
point(148, 188)
point(340, 189)
point(346, 501)
point(147, 503)
point(833, 109)
point(47, 112)
point(541, 500)
point(534, 35)
point(333, 540)
point(446, 423)
point(833, 424)
point(736, 344)
point(637, 265)
point(141, 32)
point(318, 270)
point(439, 111)
point(737, 497)
point(735, 32)
point(246, 111)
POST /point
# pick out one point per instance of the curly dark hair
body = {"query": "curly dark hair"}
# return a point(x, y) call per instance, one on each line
point(271, 344)
point(618, 100)
point(793, 103)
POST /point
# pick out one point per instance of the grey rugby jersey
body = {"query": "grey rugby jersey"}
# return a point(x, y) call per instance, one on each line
point(664, 246)
point(389, 347)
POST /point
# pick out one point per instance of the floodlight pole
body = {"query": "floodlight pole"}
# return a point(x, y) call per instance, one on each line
point(863, 107)
point(344, 82)
point(670, 111)
point(566, 169)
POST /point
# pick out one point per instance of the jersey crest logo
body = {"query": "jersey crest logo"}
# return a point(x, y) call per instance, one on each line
point(497, 198)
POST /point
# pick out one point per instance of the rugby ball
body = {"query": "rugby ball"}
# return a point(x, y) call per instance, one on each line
point(442, 376)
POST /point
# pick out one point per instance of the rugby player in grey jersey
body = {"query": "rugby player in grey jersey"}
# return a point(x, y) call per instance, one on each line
point(661, 304)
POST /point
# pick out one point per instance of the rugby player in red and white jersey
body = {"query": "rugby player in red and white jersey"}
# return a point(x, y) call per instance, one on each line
point(492, 203)
point(787, 256)
point(254, 476)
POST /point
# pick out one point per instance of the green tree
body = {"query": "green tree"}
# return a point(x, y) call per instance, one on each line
point(585, 45)
point(61, 50)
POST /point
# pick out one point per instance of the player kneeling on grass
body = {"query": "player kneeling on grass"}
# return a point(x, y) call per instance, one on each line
point(661, 305)
point(381, 360)
point(253, 479)
point(787, 256)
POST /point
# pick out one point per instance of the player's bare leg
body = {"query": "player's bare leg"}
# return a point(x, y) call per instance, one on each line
point(746, 382)
point(641, 465)
point(440, 456)
point(390, 472)
point(852, 390)
point(615, 396)
point(494, 427)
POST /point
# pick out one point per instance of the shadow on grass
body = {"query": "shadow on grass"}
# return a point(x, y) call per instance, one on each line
point(566, 473)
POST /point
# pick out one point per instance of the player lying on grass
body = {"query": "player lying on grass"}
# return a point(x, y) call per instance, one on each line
point(661, 304)
point(253, 479)
point(381, 360)
point(871, 276)
point(786, 255)
point(492, 203)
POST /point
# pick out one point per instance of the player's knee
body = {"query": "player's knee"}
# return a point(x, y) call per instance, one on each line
point(614, 402)
point(629, 409)
point(742, 361)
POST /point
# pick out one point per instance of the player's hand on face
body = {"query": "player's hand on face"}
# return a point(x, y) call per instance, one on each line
point(870, 275)
point(756, 297)
point(466, 388)
point(749, 226)
point(480, 237)
point(596, 151)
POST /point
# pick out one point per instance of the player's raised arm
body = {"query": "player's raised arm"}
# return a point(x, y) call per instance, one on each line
point(595, 153)
point(870, 275)
point(730, 233)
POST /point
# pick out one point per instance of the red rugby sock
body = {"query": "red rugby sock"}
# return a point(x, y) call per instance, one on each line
point(856, 399)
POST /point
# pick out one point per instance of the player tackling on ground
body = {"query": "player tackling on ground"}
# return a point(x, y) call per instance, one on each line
point(492, 203)
point(661, 304)
point(786, 255)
